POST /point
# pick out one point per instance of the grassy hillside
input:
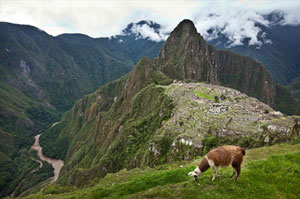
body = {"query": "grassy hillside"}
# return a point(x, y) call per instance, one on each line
point(267, 172)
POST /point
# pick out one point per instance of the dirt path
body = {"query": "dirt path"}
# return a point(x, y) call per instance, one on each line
point(56, 163)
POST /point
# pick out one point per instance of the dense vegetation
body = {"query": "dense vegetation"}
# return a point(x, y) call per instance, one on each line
point(21, 117)
point(42, 76)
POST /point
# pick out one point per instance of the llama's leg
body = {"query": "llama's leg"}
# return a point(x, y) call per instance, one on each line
point(233, 173)
point(238, 171)
point(236, 164)
point(217, 170)
point(214, 173)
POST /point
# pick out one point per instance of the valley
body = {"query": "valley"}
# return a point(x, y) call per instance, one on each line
point(41, 77)
point(127, 116)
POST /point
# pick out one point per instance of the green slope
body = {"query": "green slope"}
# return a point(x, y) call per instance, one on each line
point(42, 76)
point(267, 172)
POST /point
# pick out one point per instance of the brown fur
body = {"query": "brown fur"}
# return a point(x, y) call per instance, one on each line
point(224, 155)
point(203, 166)
point(221, 156)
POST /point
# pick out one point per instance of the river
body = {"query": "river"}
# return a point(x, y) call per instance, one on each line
point(56, 163)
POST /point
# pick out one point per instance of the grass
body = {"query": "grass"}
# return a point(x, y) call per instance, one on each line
point(203, 95)
point(268, 172)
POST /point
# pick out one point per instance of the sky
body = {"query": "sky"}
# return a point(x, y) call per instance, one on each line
point(104, 18)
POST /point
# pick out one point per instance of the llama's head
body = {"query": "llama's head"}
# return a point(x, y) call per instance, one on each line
point(195, 173)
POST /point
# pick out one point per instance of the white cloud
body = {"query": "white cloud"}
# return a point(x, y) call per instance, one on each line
point(237, 23)
point(95, 18)
point(145, 31)
point(108, 17)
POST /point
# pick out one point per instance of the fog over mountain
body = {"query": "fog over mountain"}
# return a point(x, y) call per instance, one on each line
point(105, 18)
point(271, 38)
point(237, 26)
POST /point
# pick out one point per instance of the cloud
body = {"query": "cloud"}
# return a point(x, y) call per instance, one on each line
point(145, 31)
point(235, 24)
point(95, 18)
point(236, 18)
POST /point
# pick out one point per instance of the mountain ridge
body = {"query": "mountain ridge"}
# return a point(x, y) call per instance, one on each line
point(144, 124)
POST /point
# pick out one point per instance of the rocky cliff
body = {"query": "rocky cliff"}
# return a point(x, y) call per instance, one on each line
point(186, 55)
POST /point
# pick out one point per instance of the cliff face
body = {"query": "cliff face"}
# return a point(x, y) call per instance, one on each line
point(186, 55)
point(245, 75)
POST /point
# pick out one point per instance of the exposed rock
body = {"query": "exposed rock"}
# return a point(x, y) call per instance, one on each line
point(186, 55)
point(153, 148)
point(267, 139)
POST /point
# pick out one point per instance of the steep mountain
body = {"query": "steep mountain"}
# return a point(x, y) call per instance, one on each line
point(191, 58)
point(41, 76)
point(277, 46)
point(151, 117)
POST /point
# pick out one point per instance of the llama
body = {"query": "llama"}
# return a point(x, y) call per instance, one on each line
point(221, 156)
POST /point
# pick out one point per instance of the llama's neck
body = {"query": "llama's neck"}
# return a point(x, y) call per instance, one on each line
point(203, 166)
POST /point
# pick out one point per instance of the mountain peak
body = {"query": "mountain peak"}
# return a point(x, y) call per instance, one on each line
point(184, 37)
point(185, 55)
point(186, 25)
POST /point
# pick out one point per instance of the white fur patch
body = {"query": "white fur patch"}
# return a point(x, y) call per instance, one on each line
point(197, 170)
point(210, 162)
point(192, 173)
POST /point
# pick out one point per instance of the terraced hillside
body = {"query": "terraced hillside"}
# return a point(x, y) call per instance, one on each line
point(207, 115)
point(165, 124)
point(203, 111)
point(267, 172)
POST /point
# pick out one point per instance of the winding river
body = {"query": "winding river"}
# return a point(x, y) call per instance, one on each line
point(56, 163)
